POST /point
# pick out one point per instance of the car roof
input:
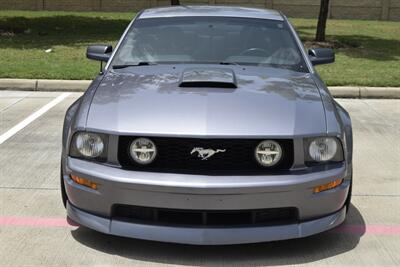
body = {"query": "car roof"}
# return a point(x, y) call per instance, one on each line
point(211, 11)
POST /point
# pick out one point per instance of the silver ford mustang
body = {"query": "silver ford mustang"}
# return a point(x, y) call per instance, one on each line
point(208, 125)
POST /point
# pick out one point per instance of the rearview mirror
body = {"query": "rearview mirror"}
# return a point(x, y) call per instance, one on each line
point(320, 56)
point(99, 52)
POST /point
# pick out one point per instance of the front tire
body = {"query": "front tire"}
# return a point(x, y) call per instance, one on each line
point(64, 196)
point(348, 200)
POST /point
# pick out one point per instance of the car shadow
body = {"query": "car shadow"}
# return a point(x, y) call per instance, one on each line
point(296, 251)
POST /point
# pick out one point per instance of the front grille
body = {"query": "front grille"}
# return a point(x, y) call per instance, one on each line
point(205, 218)
point(173, 155)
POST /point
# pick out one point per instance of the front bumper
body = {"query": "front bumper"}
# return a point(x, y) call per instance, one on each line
point(93, 208)
point(205, 236)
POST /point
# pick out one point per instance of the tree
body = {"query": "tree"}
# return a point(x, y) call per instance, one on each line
point(175, 2)
point(322, 18)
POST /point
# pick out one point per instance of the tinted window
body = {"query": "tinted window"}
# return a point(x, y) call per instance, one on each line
point(211, 40)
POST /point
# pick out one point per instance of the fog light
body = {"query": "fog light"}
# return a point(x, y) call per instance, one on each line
point(327, 186)
point(268, 153)
point(84, 182)
point(143, 151)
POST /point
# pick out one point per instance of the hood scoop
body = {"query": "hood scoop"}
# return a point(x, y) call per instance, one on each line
point(208, 77)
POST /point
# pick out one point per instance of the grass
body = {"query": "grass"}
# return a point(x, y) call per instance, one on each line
point(26, 35)
point(368, 52)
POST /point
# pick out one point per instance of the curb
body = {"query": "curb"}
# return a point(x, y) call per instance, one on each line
point(81, 86)
point(365, 92)
point(61, 85)
point(44, 85)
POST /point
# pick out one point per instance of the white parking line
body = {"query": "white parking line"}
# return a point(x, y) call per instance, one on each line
point(4, 137)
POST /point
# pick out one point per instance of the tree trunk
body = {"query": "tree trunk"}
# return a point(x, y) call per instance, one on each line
point(175, 2)
point(323, 17)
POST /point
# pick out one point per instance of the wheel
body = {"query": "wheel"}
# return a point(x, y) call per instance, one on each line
point(348, 200)
point(63, 192)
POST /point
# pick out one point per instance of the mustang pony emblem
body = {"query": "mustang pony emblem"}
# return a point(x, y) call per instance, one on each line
point(204, 154)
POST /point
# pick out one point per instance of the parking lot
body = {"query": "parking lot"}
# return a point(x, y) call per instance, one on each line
point(34, 229)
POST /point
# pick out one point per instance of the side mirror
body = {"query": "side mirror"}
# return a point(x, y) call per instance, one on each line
point(320, 56)
point(99, 52)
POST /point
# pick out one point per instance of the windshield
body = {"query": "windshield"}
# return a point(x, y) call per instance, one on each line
point(215, 40)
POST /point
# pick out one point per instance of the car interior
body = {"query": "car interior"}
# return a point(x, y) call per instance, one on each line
point(210, 41)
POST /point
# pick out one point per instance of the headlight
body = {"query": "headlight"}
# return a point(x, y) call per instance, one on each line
point(88, 145)
point(143, 151)
point(268, 153)
point(325, 149)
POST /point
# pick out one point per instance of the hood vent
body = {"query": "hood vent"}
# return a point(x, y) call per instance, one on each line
point(208, 77)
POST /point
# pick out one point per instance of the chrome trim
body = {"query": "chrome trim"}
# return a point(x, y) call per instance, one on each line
point(205, 154)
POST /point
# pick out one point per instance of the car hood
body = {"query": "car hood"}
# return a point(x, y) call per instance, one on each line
point(148, 100)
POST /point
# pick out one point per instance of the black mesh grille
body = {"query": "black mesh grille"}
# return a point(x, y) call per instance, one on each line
point(206, 218)
point(173, 155)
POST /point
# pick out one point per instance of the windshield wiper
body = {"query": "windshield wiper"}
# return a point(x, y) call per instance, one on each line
point(145, 63)
point(142, 63)
point(229, 63)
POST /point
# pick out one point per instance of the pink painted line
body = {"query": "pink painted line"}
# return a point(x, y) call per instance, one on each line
point(36, 222)
point(368, 229)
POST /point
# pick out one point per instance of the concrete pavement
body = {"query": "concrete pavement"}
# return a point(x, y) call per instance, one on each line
point(81, 86)
point(33, 229)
